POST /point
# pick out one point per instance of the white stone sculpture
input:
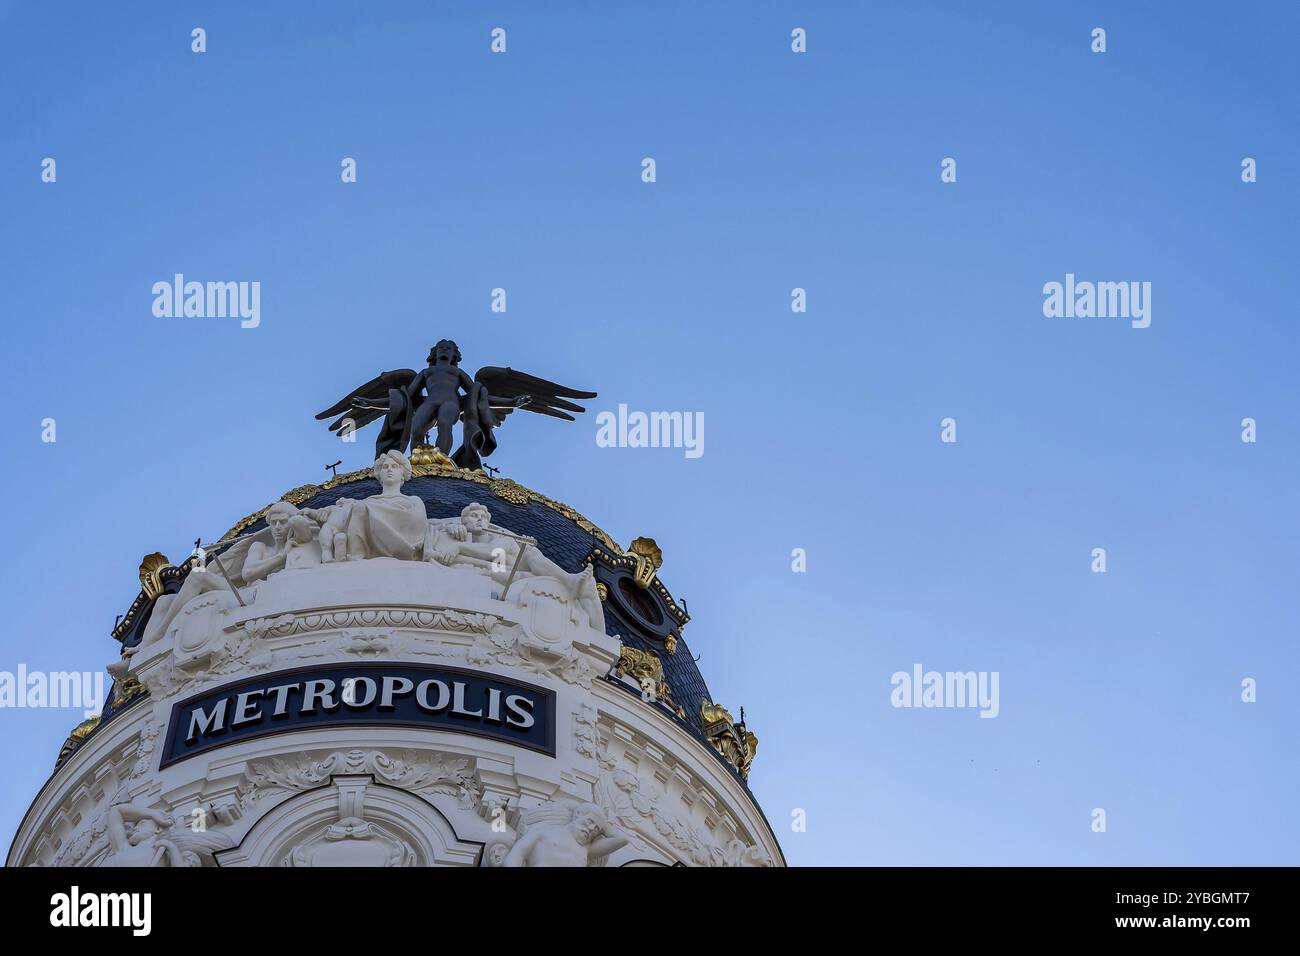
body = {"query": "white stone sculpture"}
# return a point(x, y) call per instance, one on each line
point(494, 854)
point(476, 542)
point(245, 562)
point(561, 834)
point(144, 845)
point(303, 549)
point(387, 525)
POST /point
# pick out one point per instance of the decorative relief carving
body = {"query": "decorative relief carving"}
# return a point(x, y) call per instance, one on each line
point(144, 749)
point(646, 669)
point(563, 833)
point(513, 647)
point(366, 632)
point(132, 833)
point(145, 843)
point(366, 643)
point(558, 832)
point(242, 655)
point(640, 806)
point(443, 619)
point(406, 769)
point(586, 738)
point(245, 654)
point(118, 775)
point(350, 842)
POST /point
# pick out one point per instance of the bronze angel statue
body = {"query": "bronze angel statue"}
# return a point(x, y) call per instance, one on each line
point(412, 403)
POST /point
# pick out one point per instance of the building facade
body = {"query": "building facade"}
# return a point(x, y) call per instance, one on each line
point(411, 665)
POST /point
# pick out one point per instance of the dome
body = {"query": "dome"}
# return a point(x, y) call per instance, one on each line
point(375, 673)
point(645, 618)
point(641, 613)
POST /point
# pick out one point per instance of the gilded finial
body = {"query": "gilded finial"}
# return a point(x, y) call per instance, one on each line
point(151, 567)
point(78, 734)
point(649, 559)
point(733, 740)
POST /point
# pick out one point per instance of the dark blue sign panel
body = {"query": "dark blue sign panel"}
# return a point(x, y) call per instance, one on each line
point(352, 695)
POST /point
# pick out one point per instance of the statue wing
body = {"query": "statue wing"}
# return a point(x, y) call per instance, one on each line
point(545, 398)
point(368, 402)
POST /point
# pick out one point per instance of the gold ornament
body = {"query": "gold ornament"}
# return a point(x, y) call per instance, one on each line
point(126, 690)
point(735, 742)
point(645, 665)
point(79, 734)
point(150, 570)
point(649, 559)
point(510, 491)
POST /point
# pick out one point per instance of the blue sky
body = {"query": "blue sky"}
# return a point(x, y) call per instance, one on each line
point(774, 170)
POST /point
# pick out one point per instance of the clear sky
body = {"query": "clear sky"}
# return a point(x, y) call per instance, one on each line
point(775, 170)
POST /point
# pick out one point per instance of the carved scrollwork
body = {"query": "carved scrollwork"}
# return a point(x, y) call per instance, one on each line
point(242, 655)
point(642, 808)
point(443, 619)
point(513, 647)
point(406, 769)
point(352, 841)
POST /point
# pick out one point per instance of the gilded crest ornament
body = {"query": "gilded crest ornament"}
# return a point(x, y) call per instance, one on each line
point(649, 559)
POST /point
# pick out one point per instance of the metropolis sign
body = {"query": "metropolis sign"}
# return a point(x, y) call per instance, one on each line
point(363, 695)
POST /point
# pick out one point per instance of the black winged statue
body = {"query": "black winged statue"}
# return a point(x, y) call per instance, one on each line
point(412, 403)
